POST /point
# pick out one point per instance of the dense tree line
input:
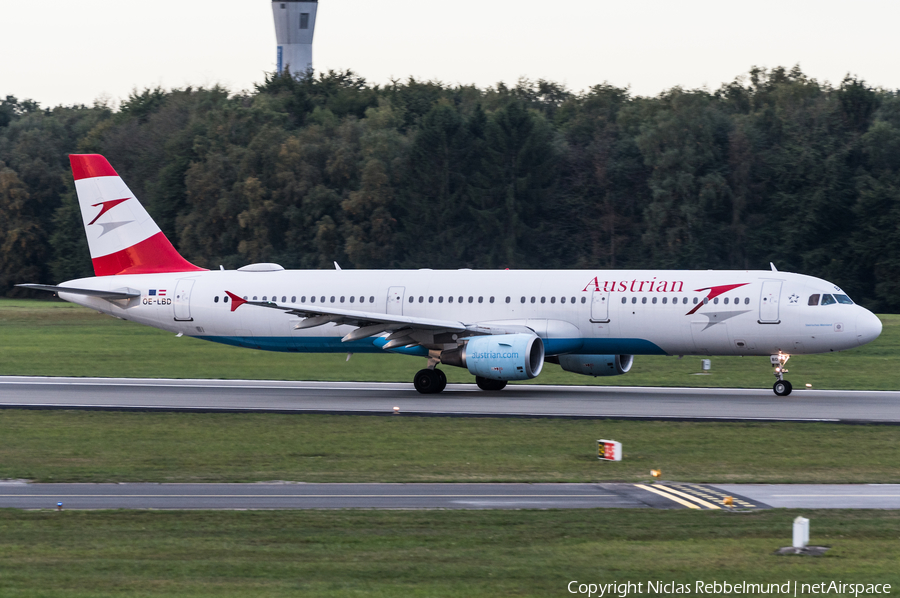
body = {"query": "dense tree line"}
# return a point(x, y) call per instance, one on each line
point(305, 171)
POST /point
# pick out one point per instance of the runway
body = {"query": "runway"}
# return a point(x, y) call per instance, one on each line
point(666, 495)
point(457, 399)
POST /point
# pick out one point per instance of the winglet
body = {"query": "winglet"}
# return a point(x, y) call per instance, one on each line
point(236, 301)
point(774, 269)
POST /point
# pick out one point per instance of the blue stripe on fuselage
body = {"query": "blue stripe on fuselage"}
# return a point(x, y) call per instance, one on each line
point(333, 344)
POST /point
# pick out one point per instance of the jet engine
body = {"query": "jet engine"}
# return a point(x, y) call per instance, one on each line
point(500, 357)
point(597, 365)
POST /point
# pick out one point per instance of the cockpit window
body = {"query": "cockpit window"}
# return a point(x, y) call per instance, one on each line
point(828, 300)
point(843, 299)
point(814, 299)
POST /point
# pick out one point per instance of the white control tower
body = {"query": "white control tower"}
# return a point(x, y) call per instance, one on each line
point(295, 23)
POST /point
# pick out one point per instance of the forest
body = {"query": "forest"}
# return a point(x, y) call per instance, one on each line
point(308, 170)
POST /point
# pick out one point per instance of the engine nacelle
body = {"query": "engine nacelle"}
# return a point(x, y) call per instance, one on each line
point(500, 357)
point(597, 365)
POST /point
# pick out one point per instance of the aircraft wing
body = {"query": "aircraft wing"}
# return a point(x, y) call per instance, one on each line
point(120, 294)
point(405, 330)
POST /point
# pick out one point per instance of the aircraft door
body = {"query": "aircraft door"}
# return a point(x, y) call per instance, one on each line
point(395, 301)
point(600, 306)
point(768, 302)
point(182, 302)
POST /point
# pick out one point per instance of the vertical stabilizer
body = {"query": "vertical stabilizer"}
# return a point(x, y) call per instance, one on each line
point(122, 236)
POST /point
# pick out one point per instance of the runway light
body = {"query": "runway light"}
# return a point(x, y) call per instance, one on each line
point(396, 410)
point(59, 506)
point(809, 386)
point(655, 473)
point(728, 501)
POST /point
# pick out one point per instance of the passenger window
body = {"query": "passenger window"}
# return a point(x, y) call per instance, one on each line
point(725, 301)
point(552, 299)
point(533, 299)
point(352, 299)
point(225, 299)
point(685, 300)
point(322, 299)
point(695, 300)
point(441, 299)
point(828, 300)
point(584, 299)
point(665, 300)
point(644, 300)
point(654, 301)
point(421, 299)
point(294, 299)
point(716, 300)
point(634, 299)
point(746, 300)
point(562, 299)
point(573, 299)
point(312, 299)
point(471, 299)
point(264, 297)
point(460, 300)
point(813, 299)
point(624, 299)
point(371, 299)
point(492, 299)
point(543, 300)
point(449, 299)
point(674, 300)
point(508, 299)
point(254, 298)
point(411, 299)
point(342, 299)
point(332, 298)
point(844, 299)
point(216, 300)
point(523, 299)
point(480, 300)
point(431, 300)
point(284, 299)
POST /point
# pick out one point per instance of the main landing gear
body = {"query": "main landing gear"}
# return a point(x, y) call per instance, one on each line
point(430, 381)
point(781, 387)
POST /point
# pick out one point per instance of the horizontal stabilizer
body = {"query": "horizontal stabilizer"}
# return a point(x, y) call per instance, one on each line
point(123, 294)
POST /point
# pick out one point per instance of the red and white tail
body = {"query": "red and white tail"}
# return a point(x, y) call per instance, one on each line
point(122, 236)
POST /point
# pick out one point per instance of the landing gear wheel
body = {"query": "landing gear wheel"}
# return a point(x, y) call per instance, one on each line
point(430, 381)
point(782, 388)
point(442, 380)
point(488, 384)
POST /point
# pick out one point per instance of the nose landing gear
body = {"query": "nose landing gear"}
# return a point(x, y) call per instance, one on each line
point(781, 387)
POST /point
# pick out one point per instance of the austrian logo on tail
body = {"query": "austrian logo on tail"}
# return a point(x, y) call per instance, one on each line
point(106, 206)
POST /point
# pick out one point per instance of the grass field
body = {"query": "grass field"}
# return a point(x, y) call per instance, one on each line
point(53, 338)
point(77, 446)
point(426, 553)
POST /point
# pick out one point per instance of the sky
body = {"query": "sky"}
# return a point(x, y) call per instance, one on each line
point(82, 51)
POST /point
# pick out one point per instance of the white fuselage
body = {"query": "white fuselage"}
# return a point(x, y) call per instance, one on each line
point(638, 312)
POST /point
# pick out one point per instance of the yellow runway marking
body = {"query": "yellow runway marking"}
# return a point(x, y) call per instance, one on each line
point(706, 504)
point(687, 504)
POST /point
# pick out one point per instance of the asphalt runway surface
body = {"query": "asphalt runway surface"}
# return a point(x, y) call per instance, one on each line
point(457, 399)
point(666, 495)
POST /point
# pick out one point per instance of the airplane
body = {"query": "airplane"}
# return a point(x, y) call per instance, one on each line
point(501, 325)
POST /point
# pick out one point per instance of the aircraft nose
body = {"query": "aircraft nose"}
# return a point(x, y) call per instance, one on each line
point(868, 327)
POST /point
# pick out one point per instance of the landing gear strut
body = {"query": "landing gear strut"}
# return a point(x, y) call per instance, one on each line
point(781, 387)
point(430, 381)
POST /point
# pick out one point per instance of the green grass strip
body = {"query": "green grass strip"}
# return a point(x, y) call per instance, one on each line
point(85, 446)
point(426, 553)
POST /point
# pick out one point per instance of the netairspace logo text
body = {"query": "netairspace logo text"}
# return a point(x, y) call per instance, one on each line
point(716, 588)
